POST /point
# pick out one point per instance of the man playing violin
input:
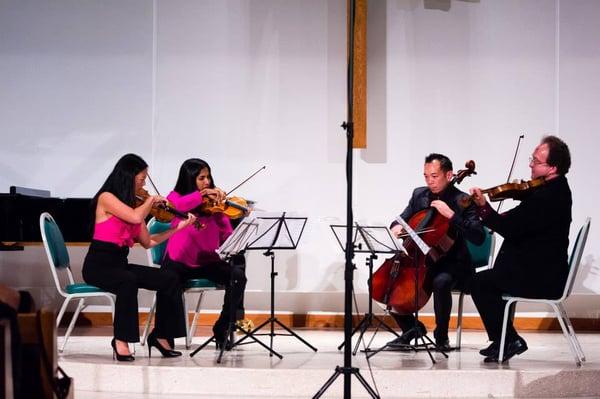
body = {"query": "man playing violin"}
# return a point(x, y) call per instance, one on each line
point(533, 259)
point(454, 268)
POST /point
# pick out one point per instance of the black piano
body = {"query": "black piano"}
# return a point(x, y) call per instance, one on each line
point(20, 211)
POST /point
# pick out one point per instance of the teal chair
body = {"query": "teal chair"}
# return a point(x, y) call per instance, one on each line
point(191, 286)
point(556, 304)
point(60, 266)
point(481, 258)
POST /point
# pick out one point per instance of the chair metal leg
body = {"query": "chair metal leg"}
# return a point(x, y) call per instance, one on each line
point(187, 319)
point(148, 321)
point(461, 298)
point(566, 333)
point(112, 307)
point(192, 329)
point(571, 332)
point(507, 311)
point(80, 305)
point(61, 312)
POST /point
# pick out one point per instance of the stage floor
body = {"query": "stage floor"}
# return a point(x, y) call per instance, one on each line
point(546, 370)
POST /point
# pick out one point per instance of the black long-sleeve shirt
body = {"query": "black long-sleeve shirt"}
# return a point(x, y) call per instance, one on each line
point(464, 225)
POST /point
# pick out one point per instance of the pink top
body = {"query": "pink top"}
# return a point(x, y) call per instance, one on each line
point(117, 231)
point(196, 247)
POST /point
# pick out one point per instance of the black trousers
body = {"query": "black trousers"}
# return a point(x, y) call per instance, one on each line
point(232, 275)
point(486, 292)
point(442, 284)
point(106, 267)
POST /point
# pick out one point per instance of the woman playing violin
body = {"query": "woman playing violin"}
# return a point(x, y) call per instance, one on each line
point(118, 224)
point(532, 261)
point(191, 252)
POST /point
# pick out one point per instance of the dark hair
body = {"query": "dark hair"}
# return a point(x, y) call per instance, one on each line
point(445, 162)
point(558, 154)
point(190, 169)
point(121, 181)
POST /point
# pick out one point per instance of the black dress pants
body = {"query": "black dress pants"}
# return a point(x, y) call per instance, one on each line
point(106, 267)
point(442, 284)
point(232, 276)
point(486, 292)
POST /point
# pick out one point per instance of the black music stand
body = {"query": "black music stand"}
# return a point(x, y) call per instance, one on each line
point(372, 240)
point(426, 342)
point(280, 232)
point(236, 243)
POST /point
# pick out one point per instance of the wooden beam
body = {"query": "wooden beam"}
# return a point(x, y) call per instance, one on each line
point(359, 76)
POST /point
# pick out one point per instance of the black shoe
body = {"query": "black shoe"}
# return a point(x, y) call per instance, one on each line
point(490, 350)
point(443, 345)
point(408, 336)
point(121, 358)
point(165, 352)
point(515, 347)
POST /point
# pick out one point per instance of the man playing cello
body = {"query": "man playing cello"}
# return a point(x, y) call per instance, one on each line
point(454, 268)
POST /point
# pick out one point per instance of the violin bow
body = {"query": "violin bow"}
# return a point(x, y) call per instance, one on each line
point(512, 166)
point(153, 186)
point(239, 185)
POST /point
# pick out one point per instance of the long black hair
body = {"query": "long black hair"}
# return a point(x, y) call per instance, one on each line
point(189, 171)
point(121, 181)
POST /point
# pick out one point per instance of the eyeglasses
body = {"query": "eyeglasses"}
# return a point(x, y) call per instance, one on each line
point(536, 162)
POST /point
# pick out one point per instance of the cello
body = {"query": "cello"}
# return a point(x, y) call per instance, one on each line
point(399, 283)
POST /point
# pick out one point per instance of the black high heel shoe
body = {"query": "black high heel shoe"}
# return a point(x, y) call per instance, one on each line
point(121, 358)
point(153, 342)
point(220, 334)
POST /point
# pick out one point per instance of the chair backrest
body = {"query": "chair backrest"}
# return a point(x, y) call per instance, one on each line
point(156, 253)
point(481, 255)
point(576, 255)
point(56, 250)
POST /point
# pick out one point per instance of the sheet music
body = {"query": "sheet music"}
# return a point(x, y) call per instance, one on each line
point(238, 240)
point(278, 230)
point(377, 239)
point(420, 243)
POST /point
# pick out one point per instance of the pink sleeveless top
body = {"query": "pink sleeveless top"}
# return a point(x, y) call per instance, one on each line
point(116, 231)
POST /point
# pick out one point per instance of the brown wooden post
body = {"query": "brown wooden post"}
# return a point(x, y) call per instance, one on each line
point(359, 78)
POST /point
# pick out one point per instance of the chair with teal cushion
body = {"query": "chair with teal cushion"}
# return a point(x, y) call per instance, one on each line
point(60, 266)
point(191, 286)
point(481, 256)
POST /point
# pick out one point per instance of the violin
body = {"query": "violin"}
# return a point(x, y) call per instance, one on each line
point(395, 283)
point(513, 190)
point(163, 212)
point(232, 207)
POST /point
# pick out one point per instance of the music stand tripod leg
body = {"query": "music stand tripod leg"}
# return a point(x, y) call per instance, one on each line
point(272, 319)
point(292, 333)
point(368, 318)
point(343, 370)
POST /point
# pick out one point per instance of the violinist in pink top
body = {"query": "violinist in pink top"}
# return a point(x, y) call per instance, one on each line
point(118, 225)
point(191, 252)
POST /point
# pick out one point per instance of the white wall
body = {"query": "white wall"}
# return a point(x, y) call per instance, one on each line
point(247, 83)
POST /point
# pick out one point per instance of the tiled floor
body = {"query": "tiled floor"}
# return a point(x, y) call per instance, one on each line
point(547, 369)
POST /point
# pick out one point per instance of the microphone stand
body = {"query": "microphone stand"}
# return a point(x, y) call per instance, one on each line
point(347, 370)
